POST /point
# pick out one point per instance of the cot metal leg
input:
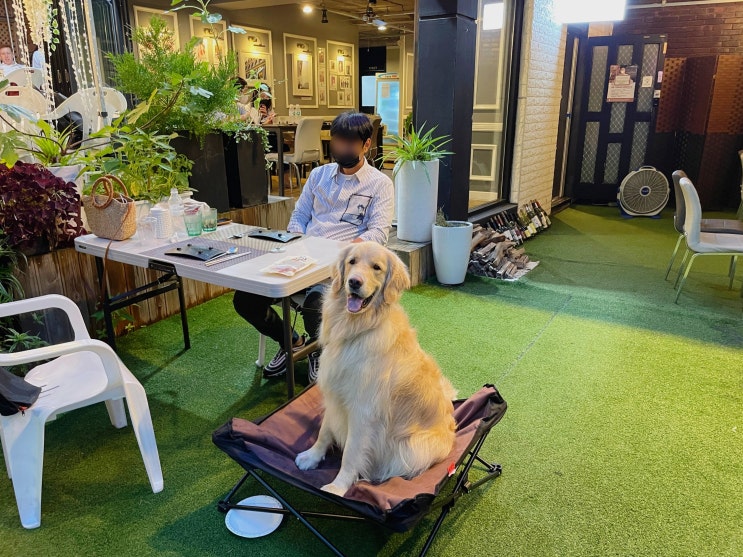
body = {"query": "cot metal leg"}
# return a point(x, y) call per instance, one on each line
point(733, 261)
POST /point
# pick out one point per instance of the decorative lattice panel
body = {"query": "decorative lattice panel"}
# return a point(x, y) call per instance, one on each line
point(590, 145)
point(598, 78)
point(611, 168)
point(726, 108)
point(649, 67)
point(616, 121)
point(672, 88)
point(639, 145)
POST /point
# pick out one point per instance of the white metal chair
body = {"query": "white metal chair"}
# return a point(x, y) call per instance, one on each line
point(87, 103)
point(27, 77)
point(307, 147)
point(84, 372)
point(721, 226)
point(703, 243)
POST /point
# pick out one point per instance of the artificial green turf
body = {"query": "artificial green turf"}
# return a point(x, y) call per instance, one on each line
point(623, 434)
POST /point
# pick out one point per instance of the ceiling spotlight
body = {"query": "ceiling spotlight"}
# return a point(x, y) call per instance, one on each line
point(324, 15)
point(307, 8)
point(382, 27)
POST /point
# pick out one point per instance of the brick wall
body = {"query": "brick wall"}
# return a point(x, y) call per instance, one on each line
point(692, 30)
point(538, 113)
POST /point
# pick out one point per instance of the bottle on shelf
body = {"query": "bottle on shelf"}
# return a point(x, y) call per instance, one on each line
point(543, 213)
point(533, 217)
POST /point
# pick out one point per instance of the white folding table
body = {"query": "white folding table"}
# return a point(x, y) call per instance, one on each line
point(241, 273)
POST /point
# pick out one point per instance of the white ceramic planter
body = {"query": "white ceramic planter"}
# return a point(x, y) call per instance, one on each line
point(451, 251)
point(417, 190)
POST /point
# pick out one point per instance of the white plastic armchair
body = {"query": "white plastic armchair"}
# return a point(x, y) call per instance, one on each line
point(83, 372)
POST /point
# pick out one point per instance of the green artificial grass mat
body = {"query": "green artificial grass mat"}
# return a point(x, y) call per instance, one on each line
point(623, 434)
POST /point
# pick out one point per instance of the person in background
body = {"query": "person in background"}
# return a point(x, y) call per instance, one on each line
point(347, 200)
point(37, 58)
point(246, 101)
point(7, 60)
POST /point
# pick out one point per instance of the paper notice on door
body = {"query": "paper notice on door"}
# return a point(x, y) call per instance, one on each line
point(622, 83)
point(384, 91)
point(647, 81)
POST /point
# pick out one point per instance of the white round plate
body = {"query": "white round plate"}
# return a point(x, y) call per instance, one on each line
point(254, 524)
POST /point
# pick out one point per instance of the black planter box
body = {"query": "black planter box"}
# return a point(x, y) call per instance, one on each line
point(225, 174)
point(247, 183)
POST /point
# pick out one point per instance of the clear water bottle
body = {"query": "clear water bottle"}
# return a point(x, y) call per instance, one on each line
point(177, 210)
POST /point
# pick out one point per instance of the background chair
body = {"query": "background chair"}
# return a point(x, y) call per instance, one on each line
point(27, 77)
point(88, 104)
point(722, 226)
point(25, 97)
point(307, 147)
point(703, 243)
point(83, 372)
point(374, 151)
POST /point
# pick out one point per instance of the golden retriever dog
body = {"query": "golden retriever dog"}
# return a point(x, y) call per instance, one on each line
point(387, 404)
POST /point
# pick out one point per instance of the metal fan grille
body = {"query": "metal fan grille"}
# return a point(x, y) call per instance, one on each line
point(644, 192)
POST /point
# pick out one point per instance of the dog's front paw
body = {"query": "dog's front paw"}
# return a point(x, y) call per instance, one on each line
point(308, 460)
point(334, 489)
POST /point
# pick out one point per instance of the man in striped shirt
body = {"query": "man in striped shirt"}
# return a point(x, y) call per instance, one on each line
point(345, 200)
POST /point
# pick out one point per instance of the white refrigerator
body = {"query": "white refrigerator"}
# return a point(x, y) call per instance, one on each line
point(388, 103)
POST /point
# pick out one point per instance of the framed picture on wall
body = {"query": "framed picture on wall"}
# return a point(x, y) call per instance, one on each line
point(333, 82)
point(142, 17)
point(300, 54)
point(341, 56)
point(254, 66)
point(254, 54)
point(321, 99)
point(302, 75)
point(320, 56)
point(211, 46)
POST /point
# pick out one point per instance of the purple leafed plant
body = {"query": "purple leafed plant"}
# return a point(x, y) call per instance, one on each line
point(36, 205)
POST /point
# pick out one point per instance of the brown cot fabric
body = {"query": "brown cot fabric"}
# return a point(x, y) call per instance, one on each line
point(273, 443)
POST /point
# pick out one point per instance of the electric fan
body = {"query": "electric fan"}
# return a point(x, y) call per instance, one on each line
point(643, 192)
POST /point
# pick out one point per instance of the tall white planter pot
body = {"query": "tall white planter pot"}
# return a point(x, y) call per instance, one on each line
point(417, 186)
point(451, 251)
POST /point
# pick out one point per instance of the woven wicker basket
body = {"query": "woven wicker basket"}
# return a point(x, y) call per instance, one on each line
point(112, 216)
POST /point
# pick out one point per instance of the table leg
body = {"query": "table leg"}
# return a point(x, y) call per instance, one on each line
point(105, 304)
point(288, 345)
point(280, 156)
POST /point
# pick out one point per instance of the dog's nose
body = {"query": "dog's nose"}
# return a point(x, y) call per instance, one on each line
point(355, 283)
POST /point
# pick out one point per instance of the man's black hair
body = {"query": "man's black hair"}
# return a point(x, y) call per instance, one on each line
point(267, 103)
point(351, 125)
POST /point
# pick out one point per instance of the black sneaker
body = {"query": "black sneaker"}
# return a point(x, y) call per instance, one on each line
point(314, 366)
point(277, 366)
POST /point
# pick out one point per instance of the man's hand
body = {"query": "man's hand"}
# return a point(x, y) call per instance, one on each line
point(357, 240)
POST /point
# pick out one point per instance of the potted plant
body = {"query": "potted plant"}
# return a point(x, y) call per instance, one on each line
point(146, 162)
point(451, 242)
point(38, 211)
point(416, 177)
point(13, 337)
point(194, 99)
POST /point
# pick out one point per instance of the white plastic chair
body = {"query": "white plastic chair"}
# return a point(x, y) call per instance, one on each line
point(27, 77)
point(83, 373)
point(25, 97)
point(703, 243)
point(307, 147)
point(86, 103)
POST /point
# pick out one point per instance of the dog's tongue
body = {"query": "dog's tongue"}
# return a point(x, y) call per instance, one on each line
point(354, 304)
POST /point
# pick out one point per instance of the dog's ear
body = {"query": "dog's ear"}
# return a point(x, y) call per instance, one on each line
point(397, 279)
point(338, 272)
